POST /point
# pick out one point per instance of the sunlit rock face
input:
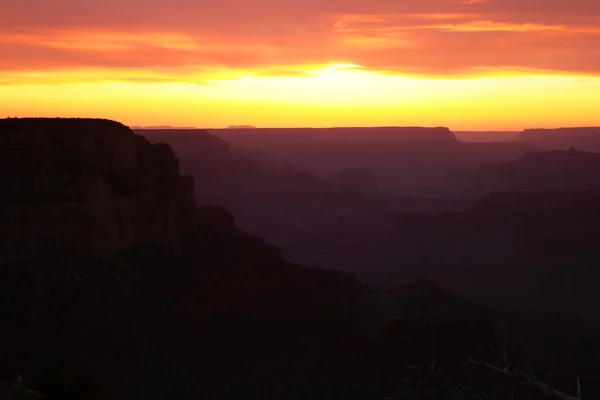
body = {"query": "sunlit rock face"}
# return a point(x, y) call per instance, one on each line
point(86, 187)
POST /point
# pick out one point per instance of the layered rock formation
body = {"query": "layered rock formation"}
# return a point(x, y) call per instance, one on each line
point(86, 187)
point(89, 189)
point(149, 296)
point(277, 203)
point(536, 171)
point(583, 138)
point(497, 226)
point(102, 245)
point(396, 133)
point(508, 244)
point(405, 160)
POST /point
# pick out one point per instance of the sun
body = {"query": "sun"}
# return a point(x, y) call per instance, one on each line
point(336, 69)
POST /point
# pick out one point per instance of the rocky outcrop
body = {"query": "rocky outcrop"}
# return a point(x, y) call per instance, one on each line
point(151, 297)
point(583, 138)
point(86, 187)
point(106, 261)
point(129, 194)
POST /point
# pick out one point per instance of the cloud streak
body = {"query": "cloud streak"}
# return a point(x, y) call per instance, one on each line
point(199, 40)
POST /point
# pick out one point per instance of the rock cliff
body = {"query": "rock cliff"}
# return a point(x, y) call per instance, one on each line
point(105, 258)
point(86, 187)
point(139, 293)
point(81, 189)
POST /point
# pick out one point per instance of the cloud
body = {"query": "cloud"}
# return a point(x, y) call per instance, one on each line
point(193, 39)
point(492, 26)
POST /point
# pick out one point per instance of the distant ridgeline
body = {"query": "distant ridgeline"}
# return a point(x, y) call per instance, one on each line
point(581, 138)
point(241, 127)
point(536, 171)
point(410, 134)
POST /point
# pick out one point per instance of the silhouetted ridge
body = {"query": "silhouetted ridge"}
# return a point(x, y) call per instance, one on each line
point(535, 171)
point(584, 138)
point(186, 142)
point(103, 249)
point(217, 217)
point(576, 204)
point(164, 127)
point(573, 155)
point(464, 250)
point(409, 133)
point(425, 313)
point(115, 285)
point(241, 127)
point(404, 160)
point(131, 194)
point(87, 187)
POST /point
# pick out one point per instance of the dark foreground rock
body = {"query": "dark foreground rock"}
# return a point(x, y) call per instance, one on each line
point(114, 285)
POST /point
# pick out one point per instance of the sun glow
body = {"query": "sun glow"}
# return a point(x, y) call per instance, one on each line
point(465, 64)
point(334, 94)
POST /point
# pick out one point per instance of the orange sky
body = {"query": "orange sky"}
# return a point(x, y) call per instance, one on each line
point(465, 64)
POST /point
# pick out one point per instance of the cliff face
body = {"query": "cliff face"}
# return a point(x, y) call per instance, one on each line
point(86, 187)
point(111, 311)
point(89, 189)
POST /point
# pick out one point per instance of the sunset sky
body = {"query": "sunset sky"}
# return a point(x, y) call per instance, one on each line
point(465, 64)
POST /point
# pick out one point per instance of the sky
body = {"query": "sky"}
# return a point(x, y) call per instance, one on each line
point(464, 64)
